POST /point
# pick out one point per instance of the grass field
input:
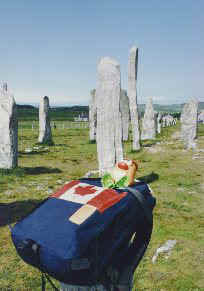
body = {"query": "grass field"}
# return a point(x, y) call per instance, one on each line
point(176, 176)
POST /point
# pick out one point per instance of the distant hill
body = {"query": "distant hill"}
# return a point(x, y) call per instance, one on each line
point(25, 107)
point(201, 106)
point(169, 108)
point(30, 112)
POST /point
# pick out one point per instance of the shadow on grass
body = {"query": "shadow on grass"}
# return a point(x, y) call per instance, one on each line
point(149, 143)
point(135, 151)
point(14, 211)
point(41, 170)
point(49, 143)
point(149, 178)
point(33, 153)
point(92, 142)
point(22, 171)
point(61, 145)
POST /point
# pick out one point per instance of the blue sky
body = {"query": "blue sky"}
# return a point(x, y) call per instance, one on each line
point(52, 47)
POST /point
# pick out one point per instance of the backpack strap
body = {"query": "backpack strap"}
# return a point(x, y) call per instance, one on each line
point(43, 281)
point(143, 203)
point(44, 276)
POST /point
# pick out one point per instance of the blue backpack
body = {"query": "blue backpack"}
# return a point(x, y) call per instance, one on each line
point(78, 231)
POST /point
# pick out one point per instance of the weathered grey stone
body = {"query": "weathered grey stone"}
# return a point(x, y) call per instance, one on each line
point(149, 122)
point(45, 134)
point(92, 116)
point(109, 124)
point(125, 114)
point(8, 131)
point(165, 248)
point(189, 118)
point(132, 94)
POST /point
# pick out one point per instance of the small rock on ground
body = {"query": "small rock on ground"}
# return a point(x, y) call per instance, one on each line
point(165, 248)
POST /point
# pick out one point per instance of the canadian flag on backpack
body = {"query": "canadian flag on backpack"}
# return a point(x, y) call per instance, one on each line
point(92, 198)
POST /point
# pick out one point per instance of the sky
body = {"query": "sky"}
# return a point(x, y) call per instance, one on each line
point(53, 47)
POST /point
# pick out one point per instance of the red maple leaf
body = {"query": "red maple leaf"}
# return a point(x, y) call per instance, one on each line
point(85, 190)
point(106, 199)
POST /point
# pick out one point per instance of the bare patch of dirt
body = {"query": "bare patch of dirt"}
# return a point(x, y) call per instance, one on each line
point(176, 135)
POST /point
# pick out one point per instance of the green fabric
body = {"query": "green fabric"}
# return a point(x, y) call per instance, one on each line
point(108, 182)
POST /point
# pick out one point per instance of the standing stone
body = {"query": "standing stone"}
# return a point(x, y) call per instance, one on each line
point(132, 94)
point(125, 113)
point(4, 87)
point(45, 134)
point(159, 120)
point(109, 124)
point(92, 116)
point(54, 125)
point(189, 118)
point(163, 121)
point(148, 122)
point(201, 117)
point(8, 131)
point(169, 120)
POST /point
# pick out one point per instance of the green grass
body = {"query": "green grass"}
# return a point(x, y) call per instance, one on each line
point(176, 179)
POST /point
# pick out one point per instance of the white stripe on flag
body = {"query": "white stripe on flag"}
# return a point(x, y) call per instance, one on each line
point(70, 194)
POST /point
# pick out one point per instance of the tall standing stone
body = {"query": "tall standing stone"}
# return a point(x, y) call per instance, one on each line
point(92, 116)
point(45, 134)
point(132, 94)
point(125, 113)
point(8, 131)
point(149, 122)
point(109, 125)
point(189, 118)
point(159, 121)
